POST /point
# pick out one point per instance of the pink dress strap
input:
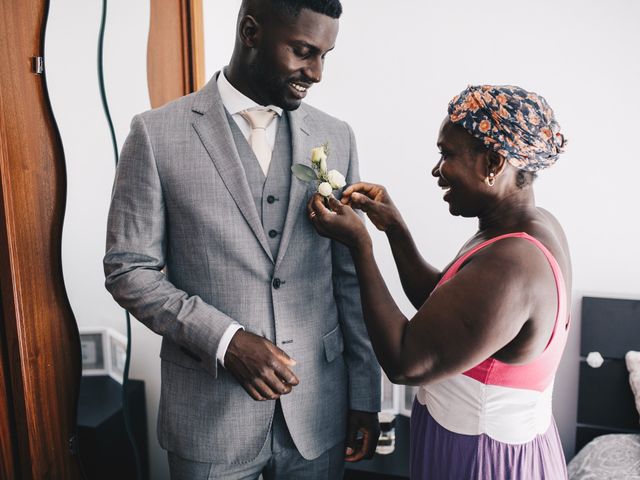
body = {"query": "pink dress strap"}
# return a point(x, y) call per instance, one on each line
point(538, 373)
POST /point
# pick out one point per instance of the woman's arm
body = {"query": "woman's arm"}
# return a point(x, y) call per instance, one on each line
point(418, 278)
point(386, 324)
point(466, 320)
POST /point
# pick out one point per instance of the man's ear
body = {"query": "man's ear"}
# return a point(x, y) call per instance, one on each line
point(249, 31)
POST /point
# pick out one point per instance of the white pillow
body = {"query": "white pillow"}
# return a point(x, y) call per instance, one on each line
point(633, 365)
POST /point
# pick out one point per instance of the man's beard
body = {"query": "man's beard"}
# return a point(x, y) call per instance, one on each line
point(275, 88)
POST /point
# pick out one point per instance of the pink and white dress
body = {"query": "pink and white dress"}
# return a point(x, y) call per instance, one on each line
point(493, 421)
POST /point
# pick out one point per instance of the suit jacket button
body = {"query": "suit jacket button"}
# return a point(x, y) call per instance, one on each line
point(273, 233)
point(271, 199)
point(276, 283)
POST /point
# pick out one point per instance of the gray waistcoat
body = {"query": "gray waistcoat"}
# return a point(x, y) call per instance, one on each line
point(270, 194)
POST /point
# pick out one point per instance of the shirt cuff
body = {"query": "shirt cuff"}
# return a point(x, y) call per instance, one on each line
point(225, 340)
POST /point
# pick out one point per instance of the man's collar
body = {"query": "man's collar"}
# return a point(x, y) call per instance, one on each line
point(235, 101)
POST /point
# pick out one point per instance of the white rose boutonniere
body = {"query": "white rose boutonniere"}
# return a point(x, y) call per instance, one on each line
point(318, 154)
point(325, 189)
point(327, 180)
point(336, 179)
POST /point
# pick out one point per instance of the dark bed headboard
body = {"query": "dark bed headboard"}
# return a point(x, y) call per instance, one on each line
point(605, 401)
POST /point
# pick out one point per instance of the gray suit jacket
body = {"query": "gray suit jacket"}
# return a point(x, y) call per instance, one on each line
point(187, 255)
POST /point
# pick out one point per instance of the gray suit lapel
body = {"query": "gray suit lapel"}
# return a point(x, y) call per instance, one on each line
point(300, 152)
point(214, 132)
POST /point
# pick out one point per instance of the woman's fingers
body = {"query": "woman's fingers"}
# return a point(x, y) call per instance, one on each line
point(317, 210)
point(313, 207)
point(335, 204)
point(364, 188)
point(354, 187)
point(362, 202)
point(317, 203)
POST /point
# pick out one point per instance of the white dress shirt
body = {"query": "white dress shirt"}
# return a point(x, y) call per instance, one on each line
point(235, 102)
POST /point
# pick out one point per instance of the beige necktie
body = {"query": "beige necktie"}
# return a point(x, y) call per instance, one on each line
point(259, 120)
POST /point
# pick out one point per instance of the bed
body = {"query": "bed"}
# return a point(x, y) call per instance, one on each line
point(608, 430)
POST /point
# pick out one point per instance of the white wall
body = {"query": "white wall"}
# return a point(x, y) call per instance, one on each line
point(394, 69)
point(397, 64)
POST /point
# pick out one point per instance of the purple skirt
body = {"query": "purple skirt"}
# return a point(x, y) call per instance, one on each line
point(439, 454)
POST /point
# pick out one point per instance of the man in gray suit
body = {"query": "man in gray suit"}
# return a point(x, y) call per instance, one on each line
point(266, 363)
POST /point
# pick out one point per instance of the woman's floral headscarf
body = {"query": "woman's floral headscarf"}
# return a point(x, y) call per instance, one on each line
point(517, 124)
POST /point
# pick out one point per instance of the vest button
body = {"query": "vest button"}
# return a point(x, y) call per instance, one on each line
point(271, 199)
point(273, 233)
point(276, 283)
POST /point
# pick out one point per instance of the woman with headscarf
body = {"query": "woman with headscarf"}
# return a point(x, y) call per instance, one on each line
point(490, 328)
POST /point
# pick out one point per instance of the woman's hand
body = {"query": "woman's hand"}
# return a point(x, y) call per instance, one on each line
point(375, 202)
point(341, 223)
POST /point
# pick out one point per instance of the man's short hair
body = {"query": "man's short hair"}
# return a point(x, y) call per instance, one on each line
point(331, 8)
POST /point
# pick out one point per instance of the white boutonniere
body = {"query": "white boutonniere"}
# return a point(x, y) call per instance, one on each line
point(327, 180)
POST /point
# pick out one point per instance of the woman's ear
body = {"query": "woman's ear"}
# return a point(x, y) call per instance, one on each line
point(249, 31)
point(496, 163)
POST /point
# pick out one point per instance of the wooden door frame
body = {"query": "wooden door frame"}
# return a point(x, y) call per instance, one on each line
point(175, 50)
point(40, 346)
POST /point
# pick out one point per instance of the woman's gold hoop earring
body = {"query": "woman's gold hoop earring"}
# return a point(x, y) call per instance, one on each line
point(490, 179)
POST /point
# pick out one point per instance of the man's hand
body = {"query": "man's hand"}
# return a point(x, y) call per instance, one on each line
point(367, 424)
point(259, 366)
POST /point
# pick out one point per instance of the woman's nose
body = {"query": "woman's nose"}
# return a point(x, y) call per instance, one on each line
point(435, 171)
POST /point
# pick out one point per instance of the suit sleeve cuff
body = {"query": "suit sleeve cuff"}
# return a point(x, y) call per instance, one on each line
point(225, 340)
